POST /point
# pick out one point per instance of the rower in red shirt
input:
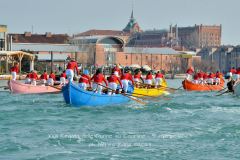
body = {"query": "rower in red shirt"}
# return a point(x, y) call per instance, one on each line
point(125, 78)
point(98, 79)
point(200, 77)
point(72, 65)
point(195, 79)
point(158, 79)
point(63, 77)
point(137, 76)
point(14, 70)
point(51, 79)
point(148, 79)
point(28, 79)
point(210, 78)
point(84, 80)
point(205, 78)
point(34, 78)
point(218, 78)
point(238, 74)
point(189, 73)
point(233, 72)
point(113, 80)
point(44, 77)
point(117, 69)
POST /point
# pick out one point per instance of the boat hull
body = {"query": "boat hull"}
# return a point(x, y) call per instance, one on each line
point(78, 97)
point(139, 92)
point(189, 86)
point(17, 87)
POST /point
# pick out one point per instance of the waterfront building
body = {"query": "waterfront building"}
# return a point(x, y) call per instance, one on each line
point(3, 37)
point(223, 57)
point(98, 46)
point(130, 46)
point(160, 58)
point(43, 46)
point(109, 49)
point(198, 36)
point(233, 58)
point(150, 38)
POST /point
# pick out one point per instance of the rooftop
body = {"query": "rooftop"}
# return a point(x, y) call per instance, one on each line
point(3, 26)
point(28, 37)
point(95, 32)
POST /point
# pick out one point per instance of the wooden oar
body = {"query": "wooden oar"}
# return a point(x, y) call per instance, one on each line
point(170, 87)
point(3, 86)
point(133, 98)
point(222, 89)
point(129, 96)
point(179, 87)
point(223, 93)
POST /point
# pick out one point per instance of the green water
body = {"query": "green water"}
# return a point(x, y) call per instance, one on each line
point(185, 125)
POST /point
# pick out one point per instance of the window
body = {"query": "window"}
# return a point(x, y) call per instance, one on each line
point(156, 57)
point(146, 57)
point(136, 57)
point(126, 57)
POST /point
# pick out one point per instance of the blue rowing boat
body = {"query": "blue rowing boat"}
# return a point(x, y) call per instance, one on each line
point(78, 97)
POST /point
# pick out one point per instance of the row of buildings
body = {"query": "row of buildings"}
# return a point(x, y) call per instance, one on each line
point(223, 57)
point(170, 49)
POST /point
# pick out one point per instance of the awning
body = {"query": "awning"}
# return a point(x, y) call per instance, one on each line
point(146, 67)
point(185, 55)
point(135, 66)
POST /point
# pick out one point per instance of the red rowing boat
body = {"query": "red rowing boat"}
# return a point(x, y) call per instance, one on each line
point(190, 86)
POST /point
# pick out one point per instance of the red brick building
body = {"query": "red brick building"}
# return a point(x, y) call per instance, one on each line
point(198, 36)
point(106, 50)
point(108, 47)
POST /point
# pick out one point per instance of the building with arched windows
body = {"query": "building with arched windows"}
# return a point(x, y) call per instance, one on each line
point(109, 47)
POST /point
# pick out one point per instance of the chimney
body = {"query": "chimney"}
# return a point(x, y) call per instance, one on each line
point(48, 34)
point(27, 34)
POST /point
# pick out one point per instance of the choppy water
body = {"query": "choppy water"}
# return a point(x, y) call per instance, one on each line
point(185, 125)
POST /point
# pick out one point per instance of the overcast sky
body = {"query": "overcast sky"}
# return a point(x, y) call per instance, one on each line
point(74, 16)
